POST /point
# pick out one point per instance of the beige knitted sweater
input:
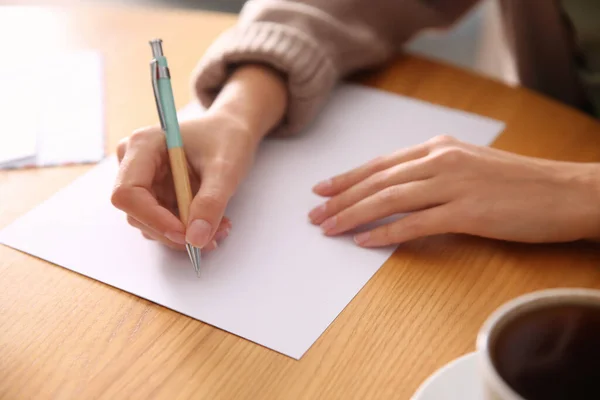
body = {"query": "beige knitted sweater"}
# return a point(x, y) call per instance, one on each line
point(315, 43)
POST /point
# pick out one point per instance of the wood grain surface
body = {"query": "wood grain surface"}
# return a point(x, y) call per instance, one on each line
point(64, 336)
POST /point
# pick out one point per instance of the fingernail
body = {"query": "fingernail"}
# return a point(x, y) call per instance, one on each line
point(323, 186)
point(176, 237)
point(329, 224)
point(362, 238)
point(198, 233)
point(317, 213)
point(222, 234)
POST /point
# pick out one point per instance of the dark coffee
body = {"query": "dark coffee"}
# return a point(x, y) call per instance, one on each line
point(551, 353)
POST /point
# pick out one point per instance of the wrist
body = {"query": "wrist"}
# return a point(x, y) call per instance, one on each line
point(255, 97)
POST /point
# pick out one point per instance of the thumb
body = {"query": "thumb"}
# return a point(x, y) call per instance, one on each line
point(208, 207)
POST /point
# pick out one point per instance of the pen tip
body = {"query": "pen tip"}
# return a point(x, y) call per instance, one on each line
point(194, 254)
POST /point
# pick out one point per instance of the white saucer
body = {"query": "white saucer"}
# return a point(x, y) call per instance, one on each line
point(457, 380)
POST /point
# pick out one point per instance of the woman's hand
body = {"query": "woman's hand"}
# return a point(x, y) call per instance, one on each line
point(449, 186)
point(219, 154)
point(219, 147)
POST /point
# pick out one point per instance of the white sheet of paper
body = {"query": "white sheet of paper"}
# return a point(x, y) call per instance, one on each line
point(55, 111)
point(19, 104)
point(276, 280)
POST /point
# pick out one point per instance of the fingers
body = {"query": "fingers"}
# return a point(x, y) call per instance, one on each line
point(387, 202)
point(151, 234)
point(208, 206)
point(121, 149)
point(141, 159)
point(414, 170)
point(409, 180)
point(223, 230)
point(222, 233)
point(338, 184)
point(432, 221)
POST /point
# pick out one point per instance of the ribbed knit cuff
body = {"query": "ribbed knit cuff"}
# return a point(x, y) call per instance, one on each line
point(310, 73)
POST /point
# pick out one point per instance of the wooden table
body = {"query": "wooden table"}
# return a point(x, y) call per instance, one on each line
point(65, 336)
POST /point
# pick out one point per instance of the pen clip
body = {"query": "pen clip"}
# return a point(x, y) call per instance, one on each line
point(154, 73)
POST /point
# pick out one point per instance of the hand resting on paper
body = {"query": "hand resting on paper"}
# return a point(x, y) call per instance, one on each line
point(219, 148)
point(447, 186)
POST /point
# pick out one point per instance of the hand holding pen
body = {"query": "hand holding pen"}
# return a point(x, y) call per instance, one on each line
point(219, 147)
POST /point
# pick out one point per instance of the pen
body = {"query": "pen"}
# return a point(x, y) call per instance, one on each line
point(167, 114)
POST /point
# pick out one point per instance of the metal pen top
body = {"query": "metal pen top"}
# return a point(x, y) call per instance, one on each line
point(157, 50)
point(156, 45)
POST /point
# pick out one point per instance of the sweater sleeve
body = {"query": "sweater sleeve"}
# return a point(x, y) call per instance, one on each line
point(314, 43)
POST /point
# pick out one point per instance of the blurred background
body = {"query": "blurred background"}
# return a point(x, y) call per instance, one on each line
point(475, 42)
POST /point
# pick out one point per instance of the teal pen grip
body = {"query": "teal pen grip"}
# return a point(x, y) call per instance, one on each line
point(169, 111)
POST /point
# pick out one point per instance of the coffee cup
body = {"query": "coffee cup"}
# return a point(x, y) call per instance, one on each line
point(542, 345)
